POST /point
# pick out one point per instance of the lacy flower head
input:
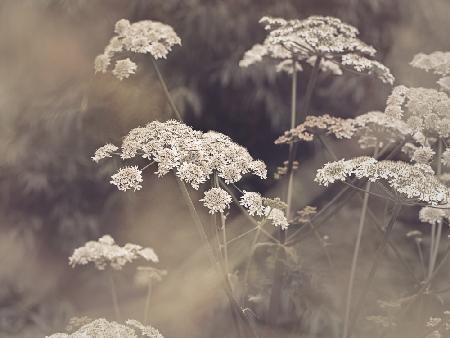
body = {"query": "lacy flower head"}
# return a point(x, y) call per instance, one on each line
point(415, 182)
point(216, 200)
point(192, 155)
point(100, 328)
point(265, 208)
point(340, 128)
point(434, 215)
point(376, 129)
point(335, 42)
point(437, 63)
point(145, 37)
point(105, 252)
point(426, 111)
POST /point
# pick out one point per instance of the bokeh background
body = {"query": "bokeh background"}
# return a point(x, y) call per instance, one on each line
point(54, 113)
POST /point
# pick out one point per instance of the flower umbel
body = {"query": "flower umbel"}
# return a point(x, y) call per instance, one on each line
point(413, 181)
point(105, 252)
point(335, 42)
point(216, 200)
point(127, 178)
point(145, 37)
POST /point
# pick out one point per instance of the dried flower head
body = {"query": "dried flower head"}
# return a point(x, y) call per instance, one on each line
point(340, 128)
point(127, 178)
point(335, 42)
point(145, 37)
point(415, 182)
point(426, 111)
point(106, 252)
point(216, 200)
point(193, 155)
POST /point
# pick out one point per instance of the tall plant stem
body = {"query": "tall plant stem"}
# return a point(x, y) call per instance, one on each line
point(166, 90)
point(436, 230)
point(235, 308)
point(378, 254)
point(275, 295)
point(147, 302)
point(115, 301)
point(362, 220)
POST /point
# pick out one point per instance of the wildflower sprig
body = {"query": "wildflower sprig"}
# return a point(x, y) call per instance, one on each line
point(272, 210)
point(144, 37)
point(334, 42)
point(369, 127)
point(340, 128)
point(415, 182)
point(105, 252)
point(193, 155)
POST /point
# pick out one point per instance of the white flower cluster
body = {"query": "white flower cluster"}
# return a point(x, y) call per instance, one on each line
point(426, 111)
point(127, 178)
point(340, 128)
point(436, 62)
point(317, 36)
point(193, 155)
point(256, 205)
point(100, 328)
point(216, 200)
point(423, 154)
point(144, 37)
point(104, 152)
point(105, 252)
point(434, 215)
point(377, 129)
point(414, 181)
point(371, 128)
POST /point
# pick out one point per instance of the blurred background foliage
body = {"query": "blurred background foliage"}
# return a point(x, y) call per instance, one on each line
point(54, 113)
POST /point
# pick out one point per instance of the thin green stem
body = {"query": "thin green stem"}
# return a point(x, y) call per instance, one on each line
point(275, 294)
